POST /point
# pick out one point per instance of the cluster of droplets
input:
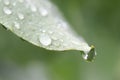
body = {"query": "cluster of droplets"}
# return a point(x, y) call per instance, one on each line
point(45, 39)
point(50, 38)
point(8, 11)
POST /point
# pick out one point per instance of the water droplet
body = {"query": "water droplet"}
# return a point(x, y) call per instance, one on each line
point(14, 3)
point(20, 16)
point(7, 11)
point(33, 8)
point(45, 39)
point(89, 56)
point(43, 31)
point(43, 11)
point(50, 32)
point(6, 2)
point(17, 25)
point(62, 24)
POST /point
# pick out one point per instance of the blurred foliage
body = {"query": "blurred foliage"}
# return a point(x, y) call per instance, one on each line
point(96, 20)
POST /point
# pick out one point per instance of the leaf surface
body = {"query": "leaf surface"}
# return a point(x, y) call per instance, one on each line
point(41, 23)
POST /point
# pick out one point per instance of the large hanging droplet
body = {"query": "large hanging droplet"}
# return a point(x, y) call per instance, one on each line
point(90, 56)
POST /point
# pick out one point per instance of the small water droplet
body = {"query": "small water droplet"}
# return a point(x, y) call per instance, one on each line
point(14, 3)
point(51, 32)
point(20, 16)
point(43, 31)
point(45, 39)
point(33, 8)
point(43, 11)
point(16, 25)
point(7, 11)
point(6, 2)
point(62, 24)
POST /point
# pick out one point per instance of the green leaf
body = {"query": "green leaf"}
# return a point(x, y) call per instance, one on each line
point(40, 23)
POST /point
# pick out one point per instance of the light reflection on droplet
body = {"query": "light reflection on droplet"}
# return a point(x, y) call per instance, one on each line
point(20, 16)
point(33, 8)
point(85, 56)
point(16, 25)
point(7, 11)
point(14, 3)
point(43, 11)
point(45, 39)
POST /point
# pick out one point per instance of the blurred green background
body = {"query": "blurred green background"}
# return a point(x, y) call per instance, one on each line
point(98, 21)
